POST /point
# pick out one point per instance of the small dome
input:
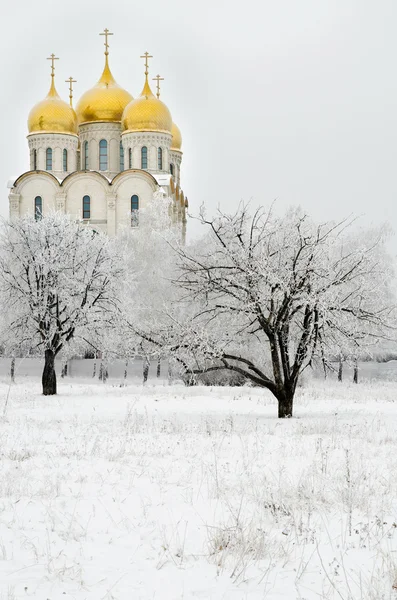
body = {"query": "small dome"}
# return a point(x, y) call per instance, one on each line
point(52, 115)
point(104, 102)
point(176, 142)
point(147, 113)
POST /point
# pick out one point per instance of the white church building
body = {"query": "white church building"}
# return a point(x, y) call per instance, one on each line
point(102, 161)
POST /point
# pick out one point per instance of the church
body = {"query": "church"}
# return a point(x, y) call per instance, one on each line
point(102, 161)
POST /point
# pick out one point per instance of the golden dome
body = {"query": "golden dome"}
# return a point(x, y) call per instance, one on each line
point(147, 113)
point(52, 115)
point(105, 101)
point(176, 142)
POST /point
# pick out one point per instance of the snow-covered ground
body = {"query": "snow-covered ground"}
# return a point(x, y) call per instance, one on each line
point(170, 493)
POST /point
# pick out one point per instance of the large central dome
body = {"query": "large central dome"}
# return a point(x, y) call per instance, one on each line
point(106, 101)
point(147, 113)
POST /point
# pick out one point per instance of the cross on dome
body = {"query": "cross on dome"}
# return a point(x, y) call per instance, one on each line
point(146, 56)
point(158, 79)
point(71, 81)
point(52, 58)
point(106, 33)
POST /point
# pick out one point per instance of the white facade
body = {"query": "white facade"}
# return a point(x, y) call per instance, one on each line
point(47, 187)
point(58, 143)
point(103, 162)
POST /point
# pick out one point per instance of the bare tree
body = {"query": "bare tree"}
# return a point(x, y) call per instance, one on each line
point(57, 282)
point(267, 295)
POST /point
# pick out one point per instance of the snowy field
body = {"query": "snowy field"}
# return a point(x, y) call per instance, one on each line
point(169, 493)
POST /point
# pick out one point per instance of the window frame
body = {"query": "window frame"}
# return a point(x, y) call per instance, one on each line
point(134, 210)
point(130, 158)
point(65, 159)
point(121, 157)
point(48, 159)
point(38, 208)
point(85, 156)
point(85, 210)
point(160, 158)
point(103, 155)
point(144, 157)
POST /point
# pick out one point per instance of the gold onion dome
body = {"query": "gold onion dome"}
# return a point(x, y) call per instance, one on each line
point(176, 142)
point(147, 113)
point(105, 101)
point(52, 115)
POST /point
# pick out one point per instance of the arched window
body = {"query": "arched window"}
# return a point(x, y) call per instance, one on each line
point(121, 157)
point(86, 207)
point(134, 211)
point(48, 159)
point(65, 159)
point(103, 155)
point(160, 159)
point(85, 157)
point(34, 165)
point(130, 158)
point(38, 208)
point(171, 169)
point(143, 157)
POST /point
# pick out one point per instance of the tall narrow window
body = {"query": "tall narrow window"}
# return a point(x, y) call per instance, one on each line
point(103, 155)
point(85, 156)
point(130, 158)
point(143, 157)
point(86, 207)
point(34, 160)
point(65, 159)
point(160, 159)
point(134, 211)
point(38, 208)
point(121, 157)
point(171, 169)
point(48, 159)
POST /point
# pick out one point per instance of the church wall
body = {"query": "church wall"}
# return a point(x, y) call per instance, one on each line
point(153, 141)
point(94, 133)
point(175, 158)
point(92, 186)
point(57, 142)
point(114, 155)
point(37, 185)
point(133, 184)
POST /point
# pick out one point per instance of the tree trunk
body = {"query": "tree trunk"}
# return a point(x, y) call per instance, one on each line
point(13, 369)
point(64, 371)
point(285, 404)
point(49, 378)
point(355, 372)
point(146, 365)
point(340, 370)
point(103, 371)
point(158, 367)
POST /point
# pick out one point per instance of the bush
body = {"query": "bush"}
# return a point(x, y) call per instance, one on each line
point(222, 377)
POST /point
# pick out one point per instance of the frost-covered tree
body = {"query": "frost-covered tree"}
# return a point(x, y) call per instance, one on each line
point(57, 284)
point(268, 294)
point(149, 297)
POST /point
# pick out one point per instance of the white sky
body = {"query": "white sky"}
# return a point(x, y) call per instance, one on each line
point(293, 100)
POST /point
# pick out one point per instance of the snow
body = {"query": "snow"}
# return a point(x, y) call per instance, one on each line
point(167, 492)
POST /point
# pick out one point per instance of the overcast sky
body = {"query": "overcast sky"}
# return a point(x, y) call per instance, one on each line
point(293, 100)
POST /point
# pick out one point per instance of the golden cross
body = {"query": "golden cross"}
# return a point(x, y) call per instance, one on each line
point(146, 56)
point(71, 81)
point(106, 33)
point(158, 79)
point(52, 58)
